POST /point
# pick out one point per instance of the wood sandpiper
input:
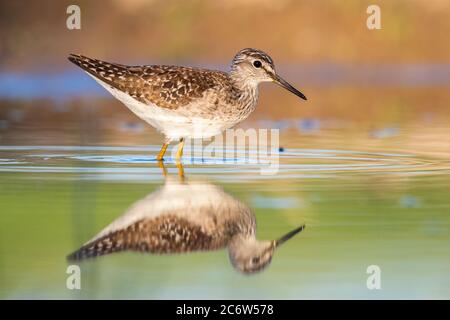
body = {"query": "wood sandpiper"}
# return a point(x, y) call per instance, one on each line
point(187, 216)
point(184, 102)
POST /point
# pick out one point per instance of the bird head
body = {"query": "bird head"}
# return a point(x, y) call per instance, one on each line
point(255, 66)
point(250, 256)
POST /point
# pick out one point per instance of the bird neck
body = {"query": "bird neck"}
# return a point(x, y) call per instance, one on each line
point(240, 241)
point(245, 87)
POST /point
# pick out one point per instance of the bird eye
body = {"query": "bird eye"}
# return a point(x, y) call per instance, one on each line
point(257, 64)
point(255, 260)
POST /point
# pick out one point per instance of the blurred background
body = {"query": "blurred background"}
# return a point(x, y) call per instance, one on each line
point(366, 163)
point(383, 77)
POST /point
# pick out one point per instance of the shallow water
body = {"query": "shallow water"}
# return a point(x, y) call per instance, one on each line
point(378, 199)
point(365, 169)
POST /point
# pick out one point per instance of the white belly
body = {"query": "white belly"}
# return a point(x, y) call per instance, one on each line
point(173, 125)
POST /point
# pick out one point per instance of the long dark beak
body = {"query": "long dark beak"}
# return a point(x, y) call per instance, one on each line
point(278, 80)
point(287, 236)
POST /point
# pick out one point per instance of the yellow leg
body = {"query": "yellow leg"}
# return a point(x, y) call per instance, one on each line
point(162, 152)
point(163, 167)
point(180, 170)
point(180, 149)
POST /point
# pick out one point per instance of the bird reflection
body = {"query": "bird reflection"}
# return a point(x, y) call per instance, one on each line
point(186, 216)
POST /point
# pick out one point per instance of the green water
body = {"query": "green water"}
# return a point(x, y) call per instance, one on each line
point(372, 203)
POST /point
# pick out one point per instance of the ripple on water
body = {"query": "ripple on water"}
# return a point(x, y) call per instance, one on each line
point(136, 163)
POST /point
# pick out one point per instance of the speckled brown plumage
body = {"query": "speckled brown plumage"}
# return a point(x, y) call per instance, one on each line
point(165, 234)
point(168, 87)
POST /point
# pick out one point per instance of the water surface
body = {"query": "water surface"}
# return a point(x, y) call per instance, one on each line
point(371, 186)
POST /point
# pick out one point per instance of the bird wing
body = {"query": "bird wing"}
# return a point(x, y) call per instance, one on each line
point(168, 87)
point(164, 234)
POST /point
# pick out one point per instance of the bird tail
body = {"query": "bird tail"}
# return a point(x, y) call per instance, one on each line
point(102, 70)
point(90, 65)
point(105, 245)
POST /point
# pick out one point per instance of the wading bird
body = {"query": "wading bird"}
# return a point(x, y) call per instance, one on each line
point(184, 102)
